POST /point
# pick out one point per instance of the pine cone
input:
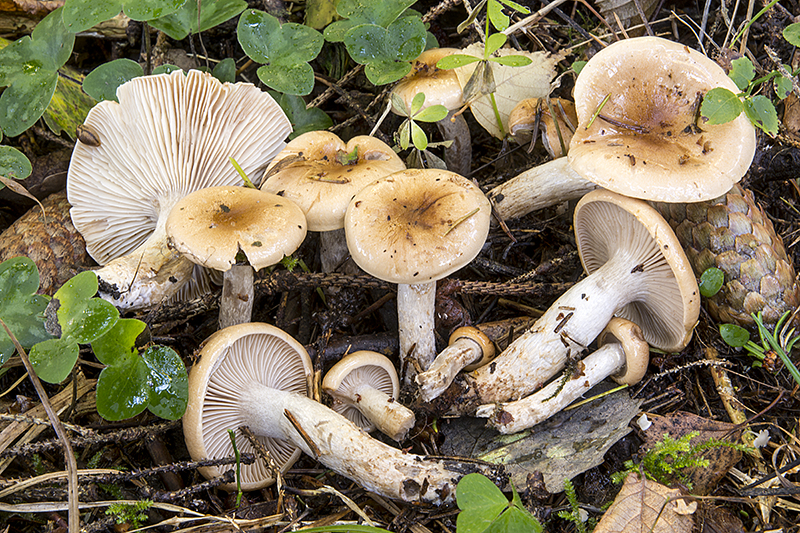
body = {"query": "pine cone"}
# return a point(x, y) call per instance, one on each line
point(733, 234)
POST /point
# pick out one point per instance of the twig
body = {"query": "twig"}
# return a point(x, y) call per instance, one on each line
point(262, 452)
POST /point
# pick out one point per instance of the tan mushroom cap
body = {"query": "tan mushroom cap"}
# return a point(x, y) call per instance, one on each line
point(637, 351)
point(522, 120)
point(649, 142)
point(231, 360)
point(359, 367)
point(211, 225)
point(667, 303)
point(315, 172)
point(485, 345)
point(417, 225)
point(441, 87)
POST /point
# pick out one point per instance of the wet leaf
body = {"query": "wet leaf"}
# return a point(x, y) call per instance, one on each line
point(720, 105)
point(20, 307)
point(168, 382)
point(185, 20)
point(357, 12)
point(742, 72)
point(122, 390)
point(386, 52)
point(484, 508)
point(733, 335)
point(761, 112)
point(102, 82)
point(225, 71)
point(118, 344)
point(711, 281)
point(13, 163)
point(303, 120)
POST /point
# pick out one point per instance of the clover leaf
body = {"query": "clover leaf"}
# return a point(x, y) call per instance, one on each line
point(155, 379)
point(387, 52)
point(303, 120)
point(186, 20)
point(29, 68)
point(102, 83)
point(484, 509)
point(283, 49)
point(75, 317)
point(80, 15)
point(20, 307)
point(358, 12)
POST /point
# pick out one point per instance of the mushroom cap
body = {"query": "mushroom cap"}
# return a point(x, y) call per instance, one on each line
point(441, 87)
point(230, 360)
point(357, 368)
point(666, 304)
point(314, 172)
point(637, 351)
point(654, 87)
point(169, 135)
point(211, 225)
point(417, 225)
point(522, 119)
point(484, 343)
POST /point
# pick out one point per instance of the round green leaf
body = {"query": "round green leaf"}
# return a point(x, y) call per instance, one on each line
point(14, 165)
point(225, 70)
point(52, 42)
point(433, 113)
point(168, 382)
point(761, 112)
point(711, 281)
point(123, 390)
point(166, 68)
point(118, 344)
point(476, 491)
point(80, 15)
point(493, 43)
point(151, 9)
point(24, 102)
point(20, 308)
point(783, 86)
point(296, 79)
point(102, 83)
point(792, 34)
point(303, 120)
point(383, 72)
point(54, 359)
point(186, 20)
point(97, 318)
point(742, 72)
point(720, 106)
point(733, 335)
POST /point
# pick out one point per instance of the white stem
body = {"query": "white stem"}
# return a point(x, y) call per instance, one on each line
point(521, 414)
point(458, 156)
point(346, 449)
point(415, 308)
point(236, 301)
point(563, 331)
point(388, 415)
point(446, 366)
point(539, 187)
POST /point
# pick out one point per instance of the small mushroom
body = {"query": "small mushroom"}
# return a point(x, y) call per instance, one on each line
point(623, 355)
point(640, 133)
point(469, 348)
point(211, 226)
point(412, 228)
point(321, 173)
point(364, 387)
point(256, 375)
point(637, 270)
point(169, 135)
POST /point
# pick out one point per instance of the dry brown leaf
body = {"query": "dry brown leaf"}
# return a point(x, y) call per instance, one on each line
point(514, 84)
point(644, 506)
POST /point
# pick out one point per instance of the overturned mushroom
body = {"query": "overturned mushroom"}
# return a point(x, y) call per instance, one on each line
point(623, 355)
point(364, 387)
point(255, 375)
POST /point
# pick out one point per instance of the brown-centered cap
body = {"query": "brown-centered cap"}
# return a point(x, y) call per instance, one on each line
point(441, 87)
point(483, 343)
point(639, 129)
point(666, 301)
point(637, 351)
point(355, 369)
point(417, 225)
point(321, 173)
point(231, 360)
point(562, 120)
point(211, 225)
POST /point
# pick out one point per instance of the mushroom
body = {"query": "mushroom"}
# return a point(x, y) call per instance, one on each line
point(364, 387)
point(637, 270)
point(639, 132)
point(211, 226)
point(412, 228)
point(623, 355)
point(556, 119)
point(469, 348)
point(320, 173)
point(169, 135)
point(255, 375)
point(441, 87)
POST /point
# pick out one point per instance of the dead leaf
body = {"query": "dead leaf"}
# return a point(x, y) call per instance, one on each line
point(720, 459)
point(644, 505)
point(17, 187)
point(513, 84)
point(791, 114)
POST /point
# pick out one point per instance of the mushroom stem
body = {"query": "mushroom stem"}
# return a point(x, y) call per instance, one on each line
point(539, 187)
point(415, 306)
point(458, 156)
point(515, 416)
point(341, 446)
point(236, 301)
point(469, 348)
point(389, 416)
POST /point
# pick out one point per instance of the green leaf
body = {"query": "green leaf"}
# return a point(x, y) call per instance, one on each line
point(319, 13)
point(783, 86)
point(185, 20)
point(480, 501)
point(285, 51)
point(500, 20)
point(386, 52)
point(711, 281)
point(720, 105)
point(577, 66)
point(166, 68)
point(118, 344)
point(456, 60)
point(358, 12)
point(14, 165)
point(516, 7)
point(102, 83)
point(168, 382)
point(303, 120)
point(52, 42)
point(81, 317)
point(20, 307)
point(404, 134)
point(761, 112)
point(493, 43)
point(742, 72)
point(225, 71)
point(152, 9)
point(433, 113)
point(80, 15)
point(417, 102)
point(122, 390)
point(512, 61)
point(792, 34)
point(418, 137)
point(24, 102)
point(69, 105)
point(733, 335)
point(515, 520)
point(53, 359)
